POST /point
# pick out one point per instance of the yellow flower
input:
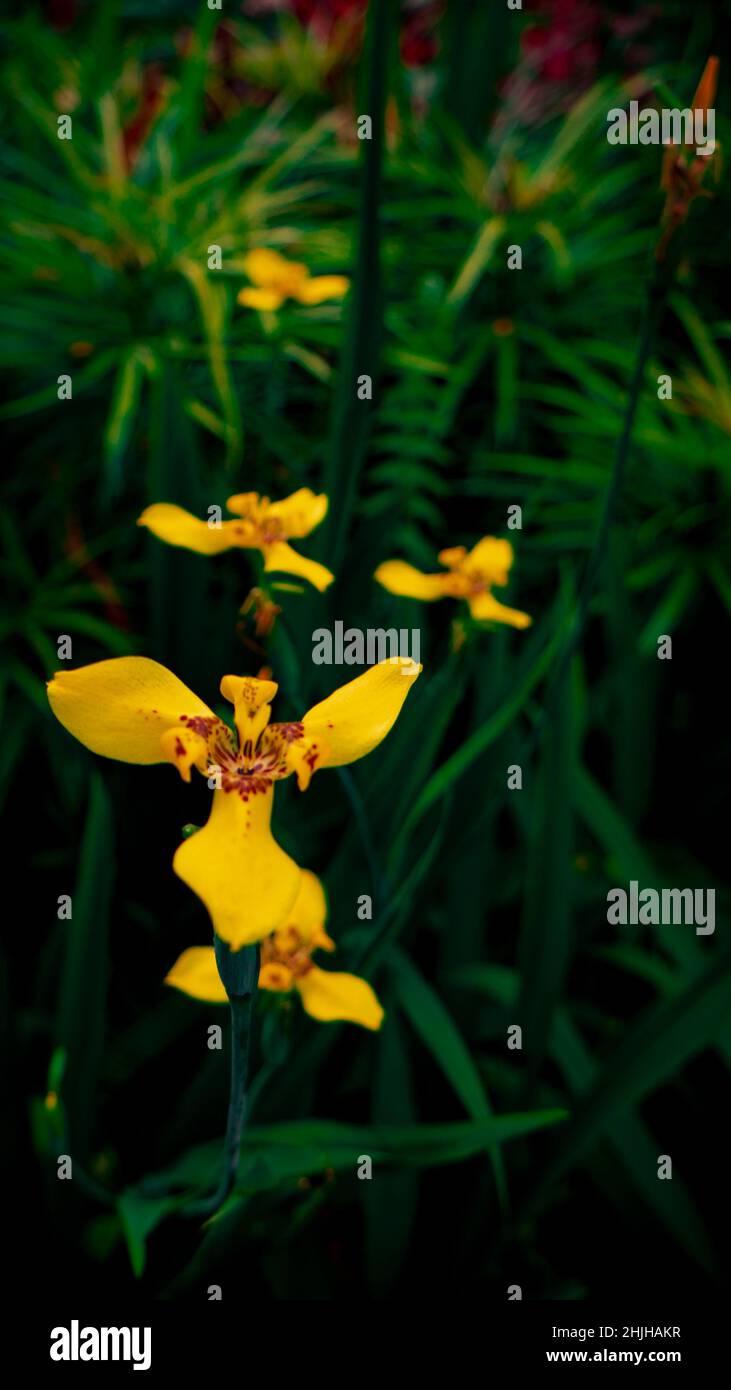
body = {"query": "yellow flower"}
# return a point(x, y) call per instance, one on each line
point(469, 575)
point(286, 965)
point(275, 279)
point(134, 710)
point(261, 525)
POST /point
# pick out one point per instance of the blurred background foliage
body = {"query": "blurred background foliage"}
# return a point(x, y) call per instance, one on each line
point(194, 128)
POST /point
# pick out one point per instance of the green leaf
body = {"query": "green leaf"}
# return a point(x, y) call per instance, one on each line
point(82, 997)
point(139, 1217)
point(664, 1040)
point(438, 1032)
point(546, 931)
point(360, 353)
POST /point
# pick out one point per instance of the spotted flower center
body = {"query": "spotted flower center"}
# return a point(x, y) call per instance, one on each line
point(289, 951)
point(258, 762)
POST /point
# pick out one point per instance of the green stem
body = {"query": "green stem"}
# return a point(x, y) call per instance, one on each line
point(239, 972)
point(653, 303)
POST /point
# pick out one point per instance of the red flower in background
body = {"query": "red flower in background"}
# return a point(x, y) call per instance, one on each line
point(136, 130)
point(419, 45)
point(61, 13)
point(561, 54)
point(566, 48)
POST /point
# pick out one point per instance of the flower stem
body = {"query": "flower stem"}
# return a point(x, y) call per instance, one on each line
point(239, 972)
point(652, 307)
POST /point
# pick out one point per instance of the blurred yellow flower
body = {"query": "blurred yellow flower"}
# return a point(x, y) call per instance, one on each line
point(136, 711)
point(286, 965)
point(469, 575)
point(261, 525)
point(275, 279)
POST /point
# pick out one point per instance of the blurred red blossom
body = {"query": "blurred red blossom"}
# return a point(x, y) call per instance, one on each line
point(561, 54)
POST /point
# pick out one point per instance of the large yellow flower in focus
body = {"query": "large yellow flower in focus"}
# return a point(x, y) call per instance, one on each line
point(134, 710)
point(286, 965)
point(260, 525)
point(469, 575)
point(275, 279)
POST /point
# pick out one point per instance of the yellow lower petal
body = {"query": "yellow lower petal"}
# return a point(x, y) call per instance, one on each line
point(321, 287)
point(486, 608)
point(260, 299)
point(237, 869)
point(299, 513)
point(353, 720)
point(282, 558)
point(196, 974)
point(122, 707)
point(400, 578)
point(331, 996)
point(175, 526)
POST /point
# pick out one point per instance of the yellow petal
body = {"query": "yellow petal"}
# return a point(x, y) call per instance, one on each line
point(486, 608)
point(185, 749)
point(260, 299)
point(247, 504)
point(353, 720)
point(299, 513)
point(178, 527)
point(309, 910)
point(276, 976)
point(251, 699)
point(491, 558)
point(322, 287)
point(196, 974)
point(280, 557)
point(330, 995)
point(403, 579)
point(237, 869)
point(268, 268)
point(122, 707)
point(453, 556)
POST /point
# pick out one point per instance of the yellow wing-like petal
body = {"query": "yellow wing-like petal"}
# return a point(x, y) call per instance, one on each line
point(491, 558)
point(401, 578)
point(321, 287)
point(280, 557)
point(485, 608)
point(175, 526)
point(267, 268)
point(353, 720)
point(237, 869)
point(331, 995)
point(196, 974)
point(122, 707)
point(299, 513)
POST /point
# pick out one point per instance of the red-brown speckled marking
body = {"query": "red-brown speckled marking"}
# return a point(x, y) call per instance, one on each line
point(252, 769)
